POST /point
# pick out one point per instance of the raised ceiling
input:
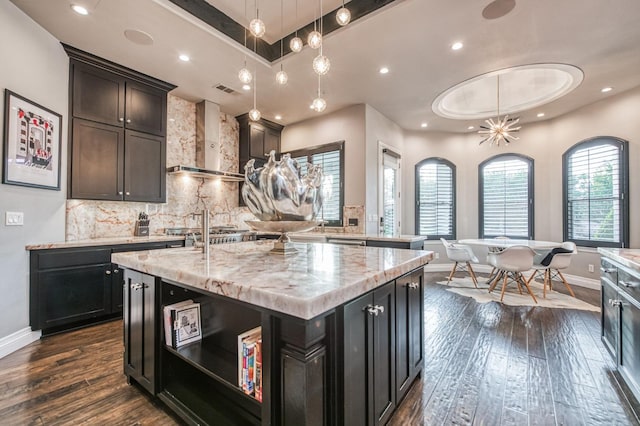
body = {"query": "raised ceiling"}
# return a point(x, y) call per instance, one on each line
point(411, 37)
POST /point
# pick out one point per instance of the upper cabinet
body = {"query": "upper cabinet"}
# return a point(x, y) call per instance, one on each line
point(118, 131)
point(257, 139)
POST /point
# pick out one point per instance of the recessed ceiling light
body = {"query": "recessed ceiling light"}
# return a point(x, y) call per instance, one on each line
point(246, 87)
point(80, 10)
point(184, 58)
point(457, 45)
point(606, 89)
point(540, 114)
point(470, 128)
point(278, 117)
point(423, 125)
point(384, 70)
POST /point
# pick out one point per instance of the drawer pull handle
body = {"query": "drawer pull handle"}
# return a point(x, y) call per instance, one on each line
point(413, 285)
point(615, 303)
point(607, 270)
point(628, 284)
point(138, 286)
point(374, 310)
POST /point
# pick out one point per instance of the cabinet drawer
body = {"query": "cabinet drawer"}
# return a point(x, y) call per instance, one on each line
point(72, 257)
point(609, 271)
point(629, 282)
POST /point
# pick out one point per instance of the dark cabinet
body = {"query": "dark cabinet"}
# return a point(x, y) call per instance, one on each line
point(74, 287)
point(620, 320)
point(140, 332)
point(409, 330)
point(257, 139)
point(369, 340)
point(118, 144)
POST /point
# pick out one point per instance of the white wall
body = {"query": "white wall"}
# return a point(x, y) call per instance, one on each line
point(35, 66)
point(348, 124)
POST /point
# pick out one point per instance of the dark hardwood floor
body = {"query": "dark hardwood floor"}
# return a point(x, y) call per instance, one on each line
point(486, 364)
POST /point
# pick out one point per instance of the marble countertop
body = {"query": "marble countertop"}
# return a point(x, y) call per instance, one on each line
point(104, 242)
point(317, 278)
point(627, 257)
point(350, 236)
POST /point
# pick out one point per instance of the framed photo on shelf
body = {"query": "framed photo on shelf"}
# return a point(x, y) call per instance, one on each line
point(187, 326)
point(32, 144)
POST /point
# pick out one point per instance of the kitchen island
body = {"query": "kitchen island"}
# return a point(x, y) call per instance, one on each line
point(341, 329)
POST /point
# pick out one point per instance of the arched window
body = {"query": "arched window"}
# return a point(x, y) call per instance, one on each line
point(436, 198)
point(506, 197)
point(595, 192)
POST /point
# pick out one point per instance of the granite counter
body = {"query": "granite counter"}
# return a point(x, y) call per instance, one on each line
point(317, 278)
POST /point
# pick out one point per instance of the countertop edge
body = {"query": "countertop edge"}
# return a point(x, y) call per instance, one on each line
point(627, 257)
point(94, 242)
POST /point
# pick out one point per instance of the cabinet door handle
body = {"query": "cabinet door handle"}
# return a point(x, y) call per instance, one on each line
point(413, 285)
point(615, 303)
point(372, 310)
point(115, 271)
point(128, 120)
point(628, 284)
point(108, 272)
point(127, 193)
point(138, 286)
point(121, 119)
point(119, 192)
point(380, 309)
point(607, 270)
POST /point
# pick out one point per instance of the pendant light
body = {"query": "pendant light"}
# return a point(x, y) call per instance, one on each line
point(319, 104)
point(321, 63)
point(254, 114)
point(256, 26)
point(244, 75)
point(501, 129)
point(281, 76)
point(343, 16)
point(314, 40)
point(296, 43)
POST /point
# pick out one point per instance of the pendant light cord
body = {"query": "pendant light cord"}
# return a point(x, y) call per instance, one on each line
point(498, 96)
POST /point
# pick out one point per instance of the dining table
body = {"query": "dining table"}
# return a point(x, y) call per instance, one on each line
point(509, 242)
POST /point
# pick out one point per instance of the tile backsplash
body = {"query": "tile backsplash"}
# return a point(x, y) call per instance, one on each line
point(186, 195)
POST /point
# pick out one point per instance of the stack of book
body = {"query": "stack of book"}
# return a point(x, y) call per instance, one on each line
point(250, 362)
point(182, 324)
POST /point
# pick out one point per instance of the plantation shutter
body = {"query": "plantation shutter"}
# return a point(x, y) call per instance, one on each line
point(332, 206)
point(506, 201)
point(594, 194)
point(435, 203)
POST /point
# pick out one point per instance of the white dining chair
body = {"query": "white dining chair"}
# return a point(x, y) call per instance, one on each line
point(559, 259)
point(463, 256)
point(511, 263)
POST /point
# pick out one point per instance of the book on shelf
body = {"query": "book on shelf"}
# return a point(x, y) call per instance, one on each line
point(250, 362)
point(182, 323)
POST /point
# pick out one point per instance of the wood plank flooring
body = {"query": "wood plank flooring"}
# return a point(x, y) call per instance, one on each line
point(486, 364)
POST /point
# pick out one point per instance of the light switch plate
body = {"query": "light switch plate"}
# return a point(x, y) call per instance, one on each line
point(14, 219)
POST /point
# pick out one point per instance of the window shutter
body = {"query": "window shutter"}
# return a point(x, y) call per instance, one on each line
point(330, 163)
point(505, 198)
point(435, 203)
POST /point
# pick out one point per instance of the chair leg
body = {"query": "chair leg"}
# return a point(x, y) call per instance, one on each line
point(565, 283)
point(526, 284)
point(453, 271)
point(504, 286)
point(494, 281)
point(518, 283)
point(473, 275)
point(545, 282)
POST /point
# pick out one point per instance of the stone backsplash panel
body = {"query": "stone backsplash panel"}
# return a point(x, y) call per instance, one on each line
point(186, 196)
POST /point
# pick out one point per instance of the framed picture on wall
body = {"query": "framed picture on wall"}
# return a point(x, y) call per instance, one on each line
point(32, 144)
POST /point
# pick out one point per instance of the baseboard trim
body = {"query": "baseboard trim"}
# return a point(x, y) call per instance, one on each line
point(571, 279)
point(17, 340)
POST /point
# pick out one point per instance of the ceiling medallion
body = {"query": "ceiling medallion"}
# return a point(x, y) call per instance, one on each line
point(500, 129)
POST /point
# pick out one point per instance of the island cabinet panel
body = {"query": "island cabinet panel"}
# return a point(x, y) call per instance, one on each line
point(140, 329)
point(369, 358)
point(409, 330)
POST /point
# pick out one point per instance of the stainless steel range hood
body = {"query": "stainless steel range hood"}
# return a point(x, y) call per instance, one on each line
point(209, 158)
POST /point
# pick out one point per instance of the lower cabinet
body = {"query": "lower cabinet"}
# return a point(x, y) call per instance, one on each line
point(140, 330)
point(369, 358)
point(409, 330)
point(620, 320)
point(75, 287)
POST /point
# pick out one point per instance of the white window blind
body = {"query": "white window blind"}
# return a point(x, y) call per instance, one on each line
point(435, 199)
point(506, 201)
point(331, 162)
point(594, 194)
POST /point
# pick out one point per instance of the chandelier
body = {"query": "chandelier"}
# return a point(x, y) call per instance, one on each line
point(296, 42)
point(343, 16)
point(281, 76)
point(499, 130)
point(256, 26)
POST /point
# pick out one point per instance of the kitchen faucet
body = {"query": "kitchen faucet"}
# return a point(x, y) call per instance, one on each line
point(205, 230)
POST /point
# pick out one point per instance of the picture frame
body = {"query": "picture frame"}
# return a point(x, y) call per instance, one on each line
point(32, 145)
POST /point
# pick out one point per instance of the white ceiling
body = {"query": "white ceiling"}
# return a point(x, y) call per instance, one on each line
point(411, 37)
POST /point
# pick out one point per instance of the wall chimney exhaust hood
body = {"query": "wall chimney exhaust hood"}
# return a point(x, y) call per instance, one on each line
point(209, 158)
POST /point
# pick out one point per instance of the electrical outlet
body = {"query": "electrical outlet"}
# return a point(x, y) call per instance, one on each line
point(14, 219)
point(437, 255)
point(590, 268)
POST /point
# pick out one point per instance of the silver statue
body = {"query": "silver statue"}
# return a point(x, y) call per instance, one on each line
point(277, 192)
